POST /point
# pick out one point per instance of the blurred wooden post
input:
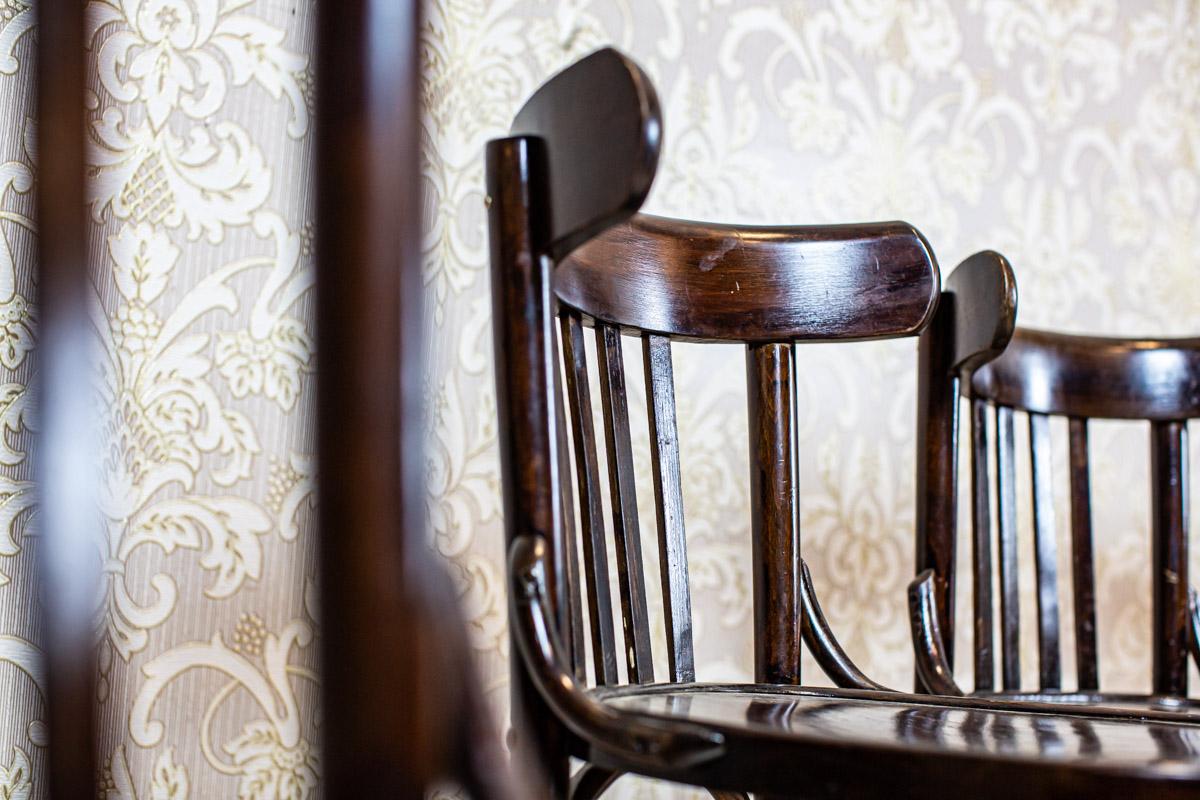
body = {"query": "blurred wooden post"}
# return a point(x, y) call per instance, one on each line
point(400, 708)
point(67, 452)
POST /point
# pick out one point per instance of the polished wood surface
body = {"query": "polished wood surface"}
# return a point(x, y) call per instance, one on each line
point(1083, 570)
point(401, 709)
point(523, 327)
point(668, 505)
point(598, 151)
point(1093, 376)
point(763, 284)
point(1169, 556)
point(774, 512)
point(1044, 374)
point(976, 748)
point(975, 318)
point(66, 458)
point(654, 282)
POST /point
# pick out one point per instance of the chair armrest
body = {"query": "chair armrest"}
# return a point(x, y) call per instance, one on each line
point(929, 650)
point(636, 738)
point(824, 645)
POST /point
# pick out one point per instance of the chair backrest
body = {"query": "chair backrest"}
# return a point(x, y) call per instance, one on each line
point(663, 280)
point(583, 159)
point(1044, 375)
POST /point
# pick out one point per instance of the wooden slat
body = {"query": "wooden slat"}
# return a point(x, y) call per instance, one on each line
point(981, 554)
point(1168, 460)
point(573, 622)
point(628, 537)
point(774, 512)
point(1045, 553)
point(1006, 513)
point(591, 508)
point(668, 501)
point(1082, 562)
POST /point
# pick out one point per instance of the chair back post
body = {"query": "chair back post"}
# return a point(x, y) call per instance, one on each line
point(975, 320)
point(937, 464)
point(522, 321)
point(581, 156)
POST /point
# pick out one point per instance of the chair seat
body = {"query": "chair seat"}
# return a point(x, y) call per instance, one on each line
point(832, 742)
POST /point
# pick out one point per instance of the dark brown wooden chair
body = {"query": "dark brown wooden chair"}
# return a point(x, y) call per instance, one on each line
point(1044, 374)
point(569, 252)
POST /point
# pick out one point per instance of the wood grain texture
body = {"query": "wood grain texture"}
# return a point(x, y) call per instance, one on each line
point(1083, 571)
point(572, 622)
point(1045, 553)
point(725, 283)
point(668, 506)
point(1096, 377)
point(591, 508)
point(600, 125)
point(1169, 561)
point(1006, 515)
point(774, 512)
point(981, 550)
point(626, 530)
point(522, 330)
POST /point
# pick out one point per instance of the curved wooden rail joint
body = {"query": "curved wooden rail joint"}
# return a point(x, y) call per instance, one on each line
point(641, 740)
point(1194, 626)
point(824, 645)
point(928, 648)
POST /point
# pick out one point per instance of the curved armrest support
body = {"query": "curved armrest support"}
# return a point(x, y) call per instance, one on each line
point(824, 645)
point(928, 648)
point(645, 740)
point(1194, 627)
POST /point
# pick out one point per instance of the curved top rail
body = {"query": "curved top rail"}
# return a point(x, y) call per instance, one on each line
point(703, 281)
point(1094, 376)
point(601, 131)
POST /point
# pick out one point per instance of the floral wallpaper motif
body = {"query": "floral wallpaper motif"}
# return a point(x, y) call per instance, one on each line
point(199, 146)
point(1065, 134)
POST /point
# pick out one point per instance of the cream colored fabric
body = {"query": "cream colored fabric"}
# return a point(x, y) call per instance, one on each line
point(199, 151)
point(1064, 134)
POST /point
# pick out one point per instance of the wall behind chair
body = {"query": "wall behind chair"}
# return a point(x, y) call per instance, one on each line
point(200, 138)
point(1065, 135)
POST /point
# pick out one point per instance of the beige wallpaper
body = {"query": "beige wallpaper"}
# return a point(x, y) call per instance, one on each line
point(1066, 134)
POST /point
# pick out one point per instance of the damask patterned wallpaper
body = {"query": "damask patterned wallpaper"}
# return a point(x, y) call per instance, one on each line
point(1065, 134)
point(199, 148)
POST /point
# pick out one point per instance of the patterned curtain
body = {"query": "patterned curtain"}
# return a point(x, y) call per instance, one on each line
point(200, 141)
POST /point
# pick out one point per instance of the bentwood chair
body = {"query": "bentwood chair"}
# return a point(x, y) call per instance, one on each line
point(569, 252)
point(1042, 375)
